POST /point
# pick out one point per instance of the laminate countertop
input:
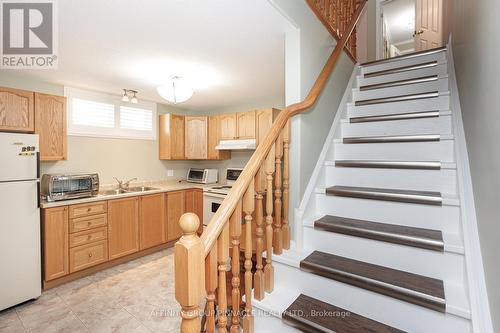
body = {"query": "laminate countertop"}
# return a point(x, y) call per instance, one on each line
point(160, 187)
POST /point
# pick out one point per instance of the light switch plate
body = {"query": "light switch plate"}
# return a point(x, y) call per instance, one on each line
point(170, 173)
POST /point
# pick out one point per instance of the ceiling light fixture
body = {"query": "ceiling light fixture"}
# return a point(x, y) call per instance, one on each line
point(130, 96)
point(176, 91)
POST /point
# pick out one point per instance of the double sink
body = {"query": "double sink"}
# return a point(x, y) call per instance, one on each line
point(129, 190)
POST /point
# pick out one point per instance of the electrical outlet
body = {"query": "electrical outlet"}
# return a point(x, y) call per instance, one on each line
point(170, 173)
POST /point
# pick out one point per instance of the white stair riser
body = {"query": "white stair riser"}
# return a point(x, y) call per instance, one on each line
point(440, 69)
point(448, 267)
point(428, 104)
point(437, 85)
point(403, 151)
point(390, 311)
point(268, 323)
point(440, 56)
point(443, 181)
point(435, 125)
point(444, 218)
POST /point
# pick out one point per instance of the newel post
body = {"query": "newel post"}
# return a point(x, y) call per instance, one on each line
point(189, 273)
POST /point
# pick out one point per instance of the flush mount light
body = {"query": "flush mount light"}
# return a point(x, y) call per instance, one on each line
point(130, 96)
point(176, 91)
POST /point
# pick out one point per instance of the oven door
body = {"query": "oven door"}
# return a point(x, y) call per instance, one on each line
point(211, 202)
point(65, 186)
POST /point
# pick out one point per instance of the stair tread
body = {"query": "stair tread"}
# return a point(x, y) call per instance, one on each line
point(395, 116)
point(404, 56)
point(393, 138)
point(303, 314)
point(392, 99)
point(410, 287)
point(398, 83)
point(382, 164)
point(402, 69)
point(404, 235)
point(399, 195)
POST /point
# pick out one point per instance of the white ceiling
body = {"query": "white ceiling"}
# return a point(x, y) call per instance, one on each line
point(231, 50)
point(398, 14)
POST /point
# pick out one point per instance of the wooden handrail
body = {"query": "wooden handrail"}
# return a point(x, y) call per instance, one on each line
point(221, 217)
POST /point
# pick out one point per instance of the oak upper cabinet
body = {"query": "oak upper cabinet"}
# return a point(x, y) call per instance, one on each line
point(55, 242)
point(17, 110)
point(123, 227)
point(245, 125)
point(196, 138)
point(228, 130)
point(175, 209)
point(171, 137)
point(50, 124)
point(152, 220)
point(213, 140)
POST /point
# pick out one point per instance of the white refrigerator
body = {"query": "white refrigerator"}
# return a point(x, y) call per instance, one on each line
point(20, 259)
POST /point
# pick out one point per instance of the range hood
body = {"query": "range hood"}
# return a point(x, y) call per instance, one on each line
point(237, 145)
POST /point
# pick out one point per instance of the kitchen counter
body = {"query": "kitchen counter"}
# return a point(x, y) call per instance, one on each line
point(162, 187)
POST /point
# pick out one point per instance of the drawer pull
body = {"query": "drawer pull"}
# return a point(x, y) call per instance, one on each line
point(90, 254)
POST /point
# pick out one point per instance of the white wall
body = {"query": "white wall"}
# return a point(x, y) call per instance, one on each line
point(475, 26)
point(308, 45)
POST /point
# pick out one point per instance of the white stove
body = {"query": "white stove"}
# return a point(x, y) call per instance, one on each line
point(214, 195)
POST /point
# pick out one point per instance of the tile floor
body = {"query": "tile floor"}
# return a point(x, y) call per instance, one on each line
point(137, 296)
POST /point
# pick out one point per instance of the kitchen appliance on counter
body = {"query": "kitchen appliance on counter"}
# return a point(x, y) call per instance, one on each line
point(203, 176)
point(20, 258)
point(214, 195)
point(57, 187)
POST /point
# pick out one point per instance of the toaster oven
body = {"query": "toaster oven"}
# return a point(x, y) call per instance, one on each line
point(63, 187)
point(202, 176)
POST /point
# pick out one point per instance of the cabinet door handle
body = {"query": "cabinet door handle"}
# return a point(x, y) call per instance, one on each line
point(90, 254)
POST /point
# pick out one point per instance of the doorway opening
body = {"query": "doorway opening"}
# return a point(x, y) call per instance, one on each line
point(406, 26)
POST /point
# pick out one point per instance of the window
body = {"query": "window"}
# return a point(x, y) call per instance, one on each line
point(102, 115)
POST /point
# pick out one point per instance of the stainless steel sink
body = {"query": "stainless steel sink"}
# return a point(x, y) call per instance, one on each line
point(140, 189)
point(137, 189)
point(113, 192)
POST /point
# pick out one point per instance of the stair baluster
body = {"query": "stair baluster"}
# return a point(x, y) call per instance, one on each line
point(248, 208)
point(235, 230)
point(277, 232)
point(258, 292)
point(211, 287)
point(269, 269)
point(286, 184)
point(223, 259)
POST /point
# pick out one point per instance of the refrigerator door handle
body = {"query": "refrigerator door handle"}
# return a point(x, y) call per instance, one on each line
point(38, 193)
point(38, 165)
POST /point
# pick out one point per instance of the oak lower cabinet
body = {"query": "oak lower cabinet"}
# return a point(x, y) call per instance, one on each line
point(152, 220)
point(194, 204)
point(123, 227)
point(55, 243)
point(17, 110)
point(175, 209)
point(171, 137)
point(50, 125)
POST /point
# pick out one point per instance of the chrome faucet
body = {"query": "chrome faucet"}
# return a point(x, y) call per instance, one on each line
point(124, 185)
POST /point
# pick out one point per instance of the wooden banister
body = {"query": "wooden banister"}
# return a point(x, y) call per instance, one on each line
point(210, 235)
point(210, 254)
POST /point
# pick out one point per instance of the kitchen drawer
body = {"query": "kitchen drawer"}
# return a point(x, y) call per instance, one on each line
point(88, 209)
point(85, 256)
point(87, 223)
point(86, 237)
